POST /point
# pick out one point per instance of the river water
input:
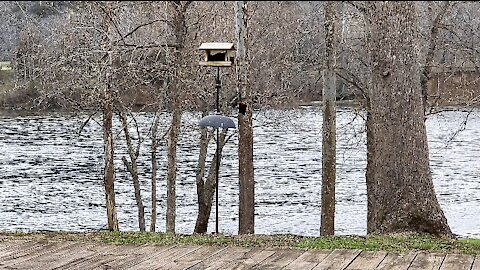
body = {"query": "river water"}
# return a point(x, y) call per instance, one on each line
point(51, 177)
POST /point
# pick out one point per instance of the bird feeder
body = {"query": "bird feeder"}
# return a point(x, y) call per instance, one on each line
point(217, 54)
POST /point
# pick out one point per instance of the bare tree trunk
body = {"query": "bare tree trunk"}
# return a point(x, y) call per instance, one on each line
point(327, 226)
point(109, 171)
point(206, 189)
point(172, 169)
point(153, 219)
point(401, 195)
point(203, 211)
point(133, 170)
point(180, 30)
point(245, 124)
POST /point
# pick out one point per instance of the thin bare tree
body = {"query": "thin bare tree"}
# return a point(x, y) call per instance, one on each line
point(327, 226)
point(132, 166)
point(109, 171)
point(245, 125)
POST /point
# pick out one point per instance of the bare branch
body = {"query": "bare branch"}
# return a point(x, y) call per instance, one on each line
point(86, 122)
point(143, 25)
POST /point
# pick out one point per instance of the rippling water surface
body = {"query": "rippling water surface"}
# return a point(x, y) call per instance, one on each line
point(51, 177)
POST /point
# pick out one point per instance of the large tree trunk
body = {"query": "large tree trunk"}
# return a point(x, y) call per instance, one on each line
point(401, 195)
point(245, 128)
point(329, 125)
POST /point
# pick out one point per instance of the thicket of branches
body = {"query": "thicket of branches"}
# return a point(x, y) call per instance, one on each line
point(54, 45)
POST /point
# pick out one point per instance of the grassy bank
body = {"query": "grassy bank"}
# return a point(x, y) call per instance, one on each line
point(370, 243)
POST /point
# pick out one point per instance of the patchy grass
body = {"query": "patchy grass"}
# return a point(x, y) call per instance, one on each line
point(394, 244)
point(371, 243)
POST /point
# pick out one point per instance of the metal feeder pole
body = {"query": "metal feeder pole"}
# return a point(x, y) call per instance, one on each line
point(217, 86)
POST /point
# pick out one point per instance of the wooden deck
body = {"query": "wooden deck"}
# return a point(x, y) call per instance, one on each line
point(15, 254)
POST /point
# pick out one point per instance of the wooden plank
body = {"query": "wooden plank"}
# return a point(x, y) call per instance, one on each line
point(21, 252)
point(216, 261)
point(135, 256)
point(80, 257)
point(32, 259)
point(116, 255)
point(338, 259)
point(427, 261)
point(397, 261)
point(394, 261)
point(73, 255)
point(388, 260)
point(247, 261)
point(193, 258)
point(104, 254)
point(55, 259)
point(159, 259)
point(476, 263)
point(9, 246)
point(457, 262)
point(14, 250)
point(308, 260)
point(4, 245)
point(367, 260)
point(279, 259)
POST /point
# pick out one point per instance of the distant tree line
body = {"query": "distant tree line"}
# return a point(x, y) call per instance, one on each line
point(287, 48)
